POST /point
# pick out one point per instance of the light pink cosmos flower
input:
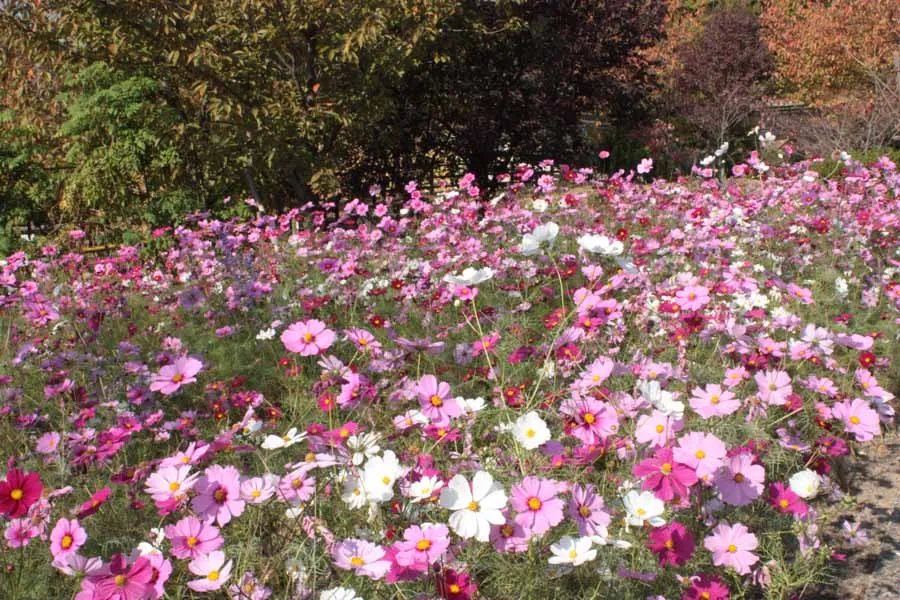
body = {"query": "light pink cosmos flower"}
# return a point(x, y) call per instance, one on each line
point(48, 443)
point(435, 400)
point(219, 494)
point(595, 374)
point(170, 484)
point(422, 546)
point(66, 538)
point(858, 417)
point(509, 536)
point(692, 297)
point(713, 401)
point(20, 532)
point(212, 568)
point(257, 490)
point(740, 481)
point(703, 452)
point(362, 557)
point(308, 338)
point(735, 376)
point(732, 546)
point(171, 377)
point(588, 510)
point(657, 429)
point(536, 502)
point(190, 538)
point(774, 386)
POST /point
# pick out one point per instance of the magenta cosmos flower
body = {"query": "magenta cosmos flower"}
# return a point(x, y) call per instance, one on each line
point(588, 510)
point(858, 417)
point(536, 502)
point(18, 492)
point(422, 546)
point(665, 477)
point(171, 377)
point(435, 400)
point(673, 544)
point(212, 569)
point(732, 546)
point(307, 338)
point(121, 581)
point(66, 538)
point(706, 587)
point(219, 494)
point(589, 420)
point(740, 481)
point(190, 538)
point(785, 500)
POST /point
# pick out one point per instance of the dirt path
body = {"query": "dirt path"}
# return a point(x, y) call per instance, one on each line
point(872, 572)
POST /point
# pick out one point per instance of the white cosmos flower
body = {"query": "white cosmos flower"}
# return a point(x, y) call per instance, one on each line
point(540, 205)
point(352, 491)
point(470, 405)
point(379, 475)
point(531, 242)
point(643, 507)
point(339, 593)
point(474, 508)
point(531, 431)
point(424, 488)
point(600, 244)
point(265, 334)
point(363, 446)
point(805, 483)
point(470, 276)
point(273, 442)
point(663, 401)
point(572, 551)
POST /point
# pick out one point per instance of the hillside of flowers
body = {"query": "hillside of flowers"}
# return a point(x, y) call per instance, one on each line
point(582, 387)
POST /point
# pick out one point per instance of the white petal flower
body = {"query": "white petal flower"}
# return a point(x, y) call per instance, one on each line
point(531, 242)
point(273, 442)
point(474, 509)
point(805, 483)
point(600, 244)
point(531, 431)
point(643, 507)
point(572, 551)
point(470, 276)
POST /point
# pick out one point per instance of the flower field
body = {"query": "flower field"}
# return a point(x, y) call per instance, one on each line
point(583, 387)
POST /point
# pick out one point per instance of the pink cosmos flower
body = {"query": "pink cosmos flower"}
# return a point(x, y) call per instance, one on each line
point(707, 587)
point(121, 581)
point(588, 510)
point(219, 494)
point(735, 376)
point(48, 443)
point(536, 502)
point(422, 546)
point(66, 538)
point(703, 452)
point(171, 377)
point(785, 501)
point(673, 544)
point(732, 546)
point(590, 420)
point(740, 481)
point(296, 486)
point(190, 537)
point(510, 536)
point(665, 477)
point(257, 490)
point(712, 401)
point(774, 386)
point(435, 400)
point(170, 484)
point(212, 568)
point(97, 500)
point(362, 557)
point(858, 417)
point(596, 373)
point(20, 532)
point(692, 297)
point(308, 338)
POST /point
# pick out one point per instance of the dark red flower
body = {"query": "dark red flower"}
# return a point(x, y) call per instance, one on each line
point(19, 492)
point(673, 544)
point(866, 359)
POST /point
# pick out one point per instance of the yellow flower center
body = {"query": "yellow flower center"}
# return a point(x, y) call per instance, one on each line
point(385, 480)
point(177, 378)
point(308, 337)
point(700, 454)
point(16, 494)
point(534, 504)
point(854, 419)
point(436, 401)
point(530, 433)
point(454, 589)
point(220, 495)
point(584, 511)
point(174, 486)
point(783, 503)
point(192, 541)
point(423, 545)
point(669, 544)
point(660, 428)
point(296, 483)
point(120, 580)
point(473, 506)
point(589, 418)
point(66, 542)
point(732, 548)
point(573, 554)
point(666, 468)
point(213, 576)
point(641, 512)
point(738, 477)
point(357, 561)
